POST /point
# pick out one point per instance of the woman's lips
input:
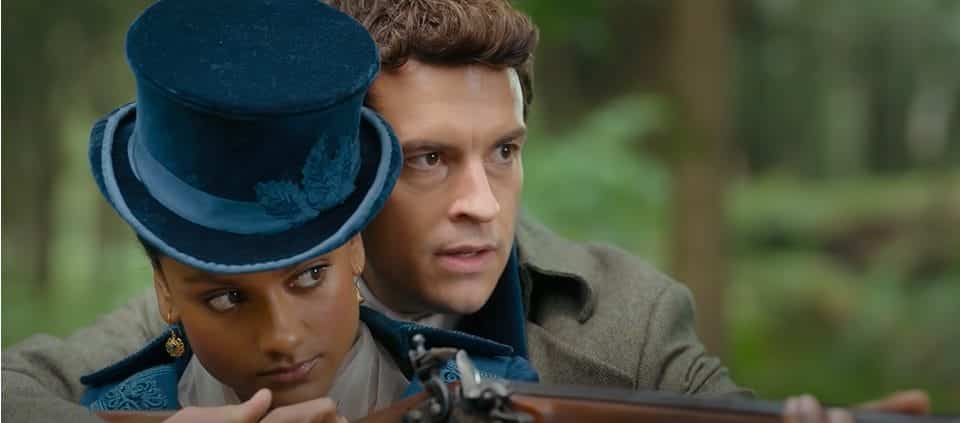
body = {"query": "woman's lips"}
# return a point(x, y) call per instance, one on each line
point(291, 374)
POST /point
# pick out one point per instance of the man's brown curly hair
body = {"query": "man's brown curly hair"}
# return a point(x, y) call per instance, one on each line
point(449, 32)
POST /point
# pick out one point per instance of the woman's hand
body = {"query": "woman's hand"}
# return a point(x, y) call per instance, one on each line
point(250, 411)
point(806, 409)
point(321, 410)
point(257, 409)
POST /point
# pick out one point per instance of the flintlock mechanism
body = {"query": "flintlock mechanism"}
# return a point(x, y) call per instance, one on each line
point(474, 399)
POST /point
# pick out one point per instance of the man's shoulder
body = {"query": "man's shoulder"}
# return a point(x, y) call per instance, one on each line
point(594, 308)
point(601, 268)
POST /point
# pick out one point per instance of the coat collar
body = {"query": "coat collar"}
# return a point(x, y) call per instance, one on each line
point(503, 318)
point(153, 354)
point(547, 259)
point(396, 336)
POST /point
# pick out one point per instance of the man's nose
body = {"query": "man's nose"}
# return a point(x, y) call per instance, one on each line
point(475, 199)
point(280, 328)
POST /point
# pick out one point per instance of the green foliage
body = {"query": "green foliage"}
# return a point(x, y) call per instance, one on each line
point(595, 183)
point(72, 301)
point(88, 277)
point(811, 307)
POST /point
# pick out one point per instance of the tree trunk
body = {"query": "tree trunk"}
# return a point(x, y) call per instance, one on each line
point(698, 76)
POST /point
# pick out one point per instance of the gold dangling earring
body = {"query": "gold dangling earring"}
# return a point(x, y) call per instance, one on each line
point(174, 344)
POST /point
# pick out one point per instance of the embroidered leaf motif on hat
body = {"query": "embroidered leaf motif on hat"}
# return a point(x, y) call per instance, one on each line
point(282, 199)
point(328, 174)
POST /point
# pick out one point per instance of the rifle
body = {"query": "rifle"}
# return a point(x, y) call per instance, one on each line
point(475, 399)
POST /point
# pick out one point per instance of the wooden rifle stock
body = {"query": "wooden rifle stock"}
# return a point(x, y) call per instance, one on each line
point(568, 404)
point(134, 416)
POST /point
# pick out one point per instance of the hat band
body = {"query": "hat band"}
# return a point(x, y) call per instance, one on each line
point(211, 211)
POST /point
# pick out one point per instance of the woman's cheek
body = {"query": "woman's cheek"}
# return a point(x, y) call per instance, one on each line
point(217, 349)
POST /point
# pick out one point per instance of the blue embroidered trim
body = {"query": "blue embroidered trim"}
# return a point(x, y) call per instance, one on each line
point(450, 373)
point(139, 392)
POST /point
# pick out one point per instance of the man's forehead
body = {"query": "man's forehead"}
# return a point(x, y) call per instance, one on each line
point(425, 102)
point(437, 79)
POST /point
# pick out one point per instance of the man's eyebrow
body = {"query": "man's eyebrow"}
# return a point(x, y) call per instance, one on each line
point(422, 144)
point(513, 135)
point(415, 145)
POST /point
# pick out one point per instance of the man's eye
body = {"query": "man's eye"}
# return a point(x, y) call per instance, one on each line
point(312, 277)
point(505, 153)
point(424, 161)
point(225, 301)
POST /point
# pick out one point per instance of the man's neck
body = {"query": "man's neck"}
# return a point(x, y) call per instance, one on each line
point(437, 320)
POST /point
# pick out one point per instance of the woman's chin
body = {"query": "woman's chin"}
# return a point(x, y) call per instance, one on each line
point(307, 391)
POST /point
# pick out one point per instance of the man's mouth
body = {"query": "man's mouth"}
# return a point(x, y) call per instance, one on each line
point(466, 258)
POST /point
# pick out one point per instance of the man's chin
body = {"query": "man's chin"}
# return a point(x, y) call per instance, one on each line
point(464, 308)
point(464, 300)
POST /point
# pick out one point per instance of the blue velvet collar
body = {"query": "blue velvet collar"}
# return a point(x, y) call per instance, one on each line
point(502, 318)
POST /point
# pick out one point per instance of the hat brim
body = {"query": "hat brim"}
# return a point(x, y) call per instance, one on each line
point(224, 252)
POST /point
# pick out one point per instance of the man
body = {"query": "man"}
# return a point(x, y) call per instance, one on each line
point(456, 88)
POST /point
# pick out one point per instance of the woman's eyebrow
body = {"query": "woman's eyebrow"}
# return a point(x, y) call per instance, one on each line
point(209, 278)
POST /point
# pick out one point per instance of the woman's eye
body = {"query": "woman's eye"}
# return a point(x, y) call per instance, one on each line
point(225, 301)
point(424, 161)
point(310, 278)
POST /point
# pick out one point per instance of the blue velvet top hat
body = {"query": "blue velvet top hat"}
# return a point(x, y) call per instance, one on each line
point(248, 148)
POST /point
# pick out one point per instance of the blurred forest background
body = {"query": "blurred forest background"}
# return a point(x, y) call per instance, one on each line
point(796, 163)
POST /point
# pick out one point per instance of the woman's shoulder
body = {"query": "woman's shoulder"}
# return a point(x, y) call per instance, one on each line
point(145, 380)
point(154, 388)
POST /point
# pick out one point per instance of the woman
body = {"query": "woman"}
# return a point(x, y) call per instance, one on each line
point(247, 168)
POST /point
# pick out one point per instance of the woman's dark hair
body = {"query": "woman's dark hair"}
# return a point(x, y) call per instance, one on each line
point(152, 253)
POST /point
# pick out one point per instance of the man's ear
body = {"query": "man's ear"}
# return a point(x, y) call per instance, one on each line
point(357, 255)
point(165, 303)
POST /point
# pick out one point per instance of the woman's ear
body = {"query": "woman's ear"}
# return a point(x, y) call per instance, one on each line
point(357, 255)
point(165, 303)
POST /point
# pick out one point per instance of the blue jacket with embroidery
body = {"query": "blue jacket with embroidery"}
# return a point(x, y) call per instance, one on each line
point(494, 337)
